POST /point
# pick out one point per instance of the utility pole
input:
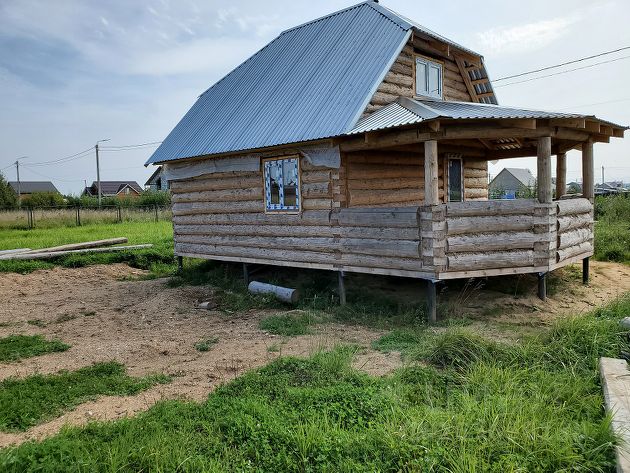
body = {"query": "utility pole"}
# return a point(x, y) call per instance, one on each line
point(603, 176)
point(19, 184)
point(98, 171)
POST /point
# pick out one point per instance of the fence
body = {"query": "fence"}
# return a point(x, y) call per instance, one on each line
point(49, 217)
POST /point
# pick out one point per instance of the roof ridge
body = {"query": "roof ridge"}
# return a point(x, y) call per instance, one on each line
point(371, 3)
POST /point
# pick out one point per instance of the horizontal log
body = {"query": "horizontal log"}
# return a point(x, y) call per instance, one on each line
point(386, 217)
point(401, 79)
point(257, 230)
point(197, 185)
point(574, 237)
point(378, 171)
point(463, 225)
point(476, 193)
point(398, 248)
point(285, 294)
point(492, 207)
point(306, 218)
point(572, 251)
point(476, 182)
point(316, 204)
point(316, 189)
point(315, 176)
point(55, 254)
point(193, 208)
point(265, 253)
point(390, 183)
point(381, 98)
point(409, 264)
point(574, 206)
point(400, 67)
point(569, 222)
point(456, 95)
point(387, 159)
point(470, 173)
point(380, 233)
point(306, 166)
point(226, 195)
point(395, 89)
point(369, 197)
point(321, 244)
point(83, 245)
point(216, 176)
point(476, 261)
point(481, 242)
point(475, 165)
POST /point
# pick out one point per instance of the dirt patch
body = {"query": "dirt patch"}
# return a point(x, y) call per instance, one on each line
point(152, 328)
point(149, 327)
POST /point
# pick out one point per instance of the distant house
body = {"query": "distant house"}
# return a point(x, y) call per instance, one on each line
point(157, 182)
point(574, 188)
point(26, 188)
point(611, 187)
point(114, 189)
point(511, 182)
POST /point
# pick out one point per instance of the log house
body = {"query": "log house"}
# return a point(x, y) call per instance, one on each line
point(328, 151)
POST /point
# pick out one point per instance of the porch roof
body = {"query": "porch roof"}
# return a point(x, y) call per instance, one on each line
point(406, 111)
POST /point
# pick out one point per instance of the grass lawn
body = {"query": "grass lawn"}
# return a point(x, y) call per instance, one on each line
point(32, 400)
point(16, 347)
point(612, 230)
point(159, 258)
point(463, 403)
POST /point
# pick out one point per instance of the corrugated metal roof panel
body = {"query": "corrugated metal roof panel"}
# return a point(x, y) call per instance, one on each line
point(389, 116)
point(311, 82)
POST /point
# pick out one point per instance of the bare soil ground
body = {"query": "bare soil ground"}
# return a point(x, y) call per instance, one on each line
point(152, 328)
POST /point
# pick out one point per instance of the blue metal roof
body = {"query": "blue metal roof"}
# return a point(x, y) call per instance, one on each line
point(406, 111)
point(311, 82)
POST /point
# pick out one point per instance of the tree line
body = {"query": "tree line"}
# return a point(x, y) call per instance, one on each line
point(8, 199)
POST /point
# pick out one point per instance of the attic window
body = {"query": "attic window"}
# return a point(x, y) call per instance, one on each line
point(282, 186)
point(428, 78)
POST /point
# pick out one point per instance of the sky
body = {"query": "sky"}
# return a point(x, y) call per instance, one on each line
point(74, 72)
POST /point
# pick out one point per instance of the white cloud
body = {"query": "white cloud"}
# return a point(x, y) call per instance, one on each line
point(528, 37)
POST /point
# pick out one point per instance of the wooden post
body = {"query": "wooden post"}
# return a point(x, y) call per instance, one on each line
point(156, 212)
point(246, 274)
point(544, 170)
point(431, 190)
point(432, 301)
point(542, 286)
point(342, 287)
point(119, 215)
point(180, 263)
point(588, 176)
point(561, 175)
point(78, 216)
point(585, 270)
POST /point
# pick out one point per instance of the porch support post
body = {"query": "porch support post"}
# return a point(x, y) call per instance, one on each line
point(542, 286)
point(431, 191)
point(588, 177)
point(342, 287)
point(585, 270)
point(180, 263)
point(432, 301)
point(544, 170)
point(561, 175)
point(246, 274)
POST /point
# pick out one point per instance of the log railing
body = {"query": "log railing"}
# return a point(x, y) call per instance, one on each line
point(575, 229)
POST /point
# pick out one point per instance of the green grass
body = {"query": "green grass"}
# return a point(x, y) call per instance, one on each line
point(470, 404)
point(159, 258)
point(612, 230)
point(289, 325)
point(206, 344)
point(35, 399)
point(16, 347)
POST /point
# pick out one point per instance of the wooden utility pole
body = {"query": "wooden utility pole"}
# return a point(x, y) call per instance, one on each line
point(19, 187)
point(98, 171)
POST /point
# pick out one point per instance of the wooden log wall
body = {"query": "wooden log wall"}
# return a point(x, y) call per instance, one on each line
point(475, 179)
point(574, 228)
point(491, 235)
point(399, 81)
point(221, 216)
point(387, 179)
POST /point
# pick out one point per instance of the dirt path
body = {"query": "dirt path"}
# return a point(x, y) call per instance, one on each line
point(152, 328)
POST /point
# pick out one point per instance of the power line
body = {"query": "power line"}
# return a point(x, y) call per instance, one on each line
point(141, 145)
point(562, 72)
point(72, 157)
point(52, 178)
point(593, 104)
point(562, 64)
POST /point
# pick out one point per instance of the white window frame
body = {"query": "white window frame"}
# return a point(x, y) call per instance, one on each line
point(423, 90)
point(281, 208)
point(449, 158)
